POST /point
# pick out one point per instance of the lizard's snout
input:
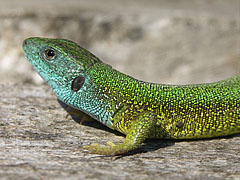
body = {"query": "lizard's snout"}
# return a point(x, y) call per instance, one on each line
point(25, 42)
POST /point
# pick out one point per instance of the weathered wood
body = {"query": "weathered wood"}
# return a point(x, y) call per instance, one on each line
point(37, 141)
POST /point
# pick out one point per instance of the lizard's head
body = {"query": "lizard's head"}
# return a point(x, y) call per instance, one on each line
point(56, 57)
point(73, 73)
point(65, 66)
point(57, 60)
point(61, 63)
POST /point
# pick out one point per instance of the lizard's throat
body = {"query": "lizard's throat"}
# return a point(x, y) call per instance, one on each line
point(87, 101)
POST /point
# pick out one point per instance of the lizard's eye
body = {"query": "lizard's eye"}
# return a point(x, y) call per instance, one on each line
point(49, 54)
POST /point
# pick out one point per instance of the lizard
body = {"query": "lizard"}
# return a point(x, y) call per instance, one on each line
point(140, 110)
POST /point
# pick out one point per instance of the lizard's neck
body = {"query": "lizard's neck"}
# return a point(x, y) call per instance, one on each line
point(120, 88)
point(90, 100)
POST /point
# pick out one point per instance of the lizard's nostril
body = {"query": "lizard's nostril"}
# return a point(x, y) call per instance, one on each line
point(25, 43)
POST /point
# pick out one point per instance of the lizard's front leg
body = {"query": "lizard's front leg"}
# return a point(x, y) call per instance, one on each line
point(140, 131)
point(75, 112)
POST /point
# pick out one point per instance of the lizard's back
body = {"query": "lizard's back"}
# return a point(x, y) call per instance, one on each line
point(201, 111)
point(183, 111)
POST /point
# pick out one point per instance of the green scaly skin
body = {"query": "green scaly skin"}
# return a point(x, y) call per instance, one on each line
point(138, 109)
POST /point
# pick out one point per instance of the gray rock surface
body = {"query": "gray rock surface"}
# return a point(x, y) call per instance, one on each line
point(37, 141)
point(177, 41)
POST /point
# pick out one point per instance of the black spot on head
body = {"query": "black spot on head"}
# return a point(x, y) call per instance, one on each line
point(77, 83)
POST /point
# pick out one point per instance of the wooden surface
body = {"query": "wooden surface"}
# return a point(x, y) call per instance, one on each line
point(37, 141)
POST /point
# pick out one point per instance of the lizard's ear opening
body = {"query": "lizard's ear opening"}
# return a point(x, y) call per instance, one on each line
point(77, 83)
point(49, 54)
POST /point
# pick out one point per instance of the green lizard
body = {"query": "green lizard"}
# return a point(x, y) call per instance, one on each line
point(138, 109)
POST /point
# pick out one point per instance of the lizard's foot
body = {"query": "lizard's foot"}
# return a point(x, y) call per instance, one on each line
point(139, 132)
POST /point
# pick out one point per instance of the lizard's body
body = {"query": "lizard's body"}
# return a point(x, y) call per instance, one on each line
point(138, 109)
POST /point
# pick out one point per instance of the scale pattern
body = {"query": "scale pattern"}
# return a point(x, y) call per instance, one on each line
point(138, 109)
point(183, 112)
